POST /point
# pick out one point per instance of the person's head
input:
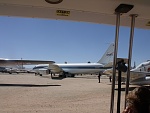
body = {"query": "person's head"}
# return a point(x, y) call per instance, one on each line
point(138, 100)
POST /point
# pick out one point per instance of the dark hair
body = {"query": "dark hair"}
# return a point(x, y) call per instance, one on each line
point(139, 98)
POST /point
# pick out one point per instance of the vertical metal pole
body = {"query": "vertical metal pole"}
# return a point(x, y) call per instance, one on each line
point(130, 53)
point(119, 91)
point(115, 61)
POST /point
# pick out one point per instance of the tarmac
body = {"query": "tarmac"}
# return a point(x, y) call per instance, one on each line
point(27, 93)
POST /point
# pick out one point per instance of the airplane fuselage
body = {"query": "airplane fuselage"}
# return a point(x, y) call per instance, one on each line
point(83, 68)
point(78, 68)
point(143, 67)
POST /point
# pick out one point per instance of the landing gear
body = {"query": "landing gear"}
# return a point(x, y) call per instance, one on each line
point(40, 74)
point(63, 75)
point(72, 75)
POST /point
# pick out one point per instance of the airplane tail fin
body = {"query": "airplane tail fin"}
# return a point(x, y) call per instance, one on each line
point(107, 58)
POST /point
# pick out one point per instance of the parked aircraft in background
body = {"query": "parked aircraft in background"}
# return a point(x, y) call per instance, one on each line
point(10, 69)
point(3, 69)
point(82, 68)
point(67, 69)
point(7, 65)
point(138, 75)
point(142, 70)
point(13, 69)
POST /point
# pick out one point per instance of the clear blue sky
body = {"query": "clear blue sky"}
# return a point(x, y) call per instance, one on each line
point(60, 41)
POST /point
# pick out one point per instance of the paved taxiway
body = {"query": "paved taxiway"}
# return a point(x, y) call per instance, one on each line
point(27, 93)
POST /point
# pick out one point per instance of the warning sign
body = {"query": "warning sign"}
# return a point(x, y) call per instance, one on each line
point(62, 13)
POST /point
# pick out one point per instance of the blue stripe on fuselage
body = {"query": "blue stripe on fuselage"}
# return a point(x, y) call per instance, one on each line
point(83, 67)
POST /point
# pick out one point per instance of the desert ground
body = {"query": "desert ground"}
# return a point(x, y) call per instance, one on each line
point(27, 93)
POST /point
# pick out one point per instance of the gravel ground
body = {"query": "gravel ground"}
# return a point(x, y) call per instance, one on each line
point(26, 93)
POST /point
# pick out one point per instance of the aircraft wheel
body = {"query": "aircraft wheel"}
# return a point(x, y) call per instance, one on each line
point(72, 75)
point(64, 76)
point(40, 74)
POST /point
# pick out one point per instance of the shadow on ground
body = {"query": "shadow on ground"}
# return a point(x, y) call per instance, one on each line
point(25, 85)
point(53, 77)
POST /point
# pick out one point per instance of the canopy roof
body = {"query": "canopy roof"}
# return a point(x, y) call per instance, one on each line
point(96, 11)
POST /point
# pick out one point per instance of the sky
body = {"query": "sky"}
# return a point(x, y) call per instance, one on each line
point(67, 41)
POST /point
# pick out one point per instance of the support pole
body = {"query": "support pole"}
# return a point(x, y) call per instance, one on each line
point(121, 67)
point(115, 61)
point(133, 16)
point(119, 91)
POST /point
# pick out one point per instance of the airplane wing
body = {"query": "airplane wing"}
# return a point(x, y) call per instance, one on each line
point(136, 77)
point(133, 74)
point(55, 68)
point(138, 74)
point(139, 78)
point(110, 64)
point(8, 62)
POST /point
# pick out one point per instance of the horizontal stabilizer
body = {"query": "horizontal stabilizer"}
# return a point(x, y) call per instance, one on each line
point(125, 60)
point(55, 68)
point(110, 64)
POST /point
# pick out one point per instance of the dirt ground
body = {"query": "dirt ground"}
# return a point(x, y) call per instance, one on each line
point(27, 93)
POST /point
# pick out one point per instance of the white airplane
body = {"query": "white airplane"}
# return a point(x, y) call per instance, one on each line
point(82, 68)
point(139, 75)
